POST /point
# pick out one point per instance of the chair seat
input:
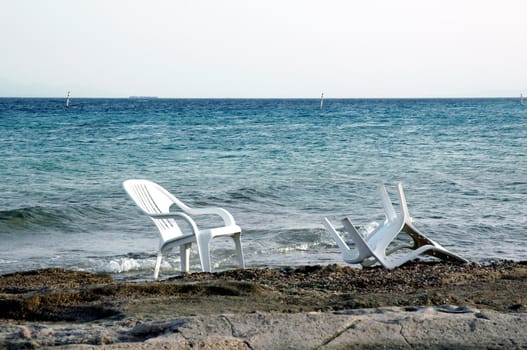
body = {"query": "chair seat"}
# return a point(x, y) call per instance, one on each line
point(223, 231)
point(179, 240)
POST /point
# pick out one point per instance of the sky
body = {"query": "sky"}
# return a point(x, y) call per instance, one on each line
point(263, 49)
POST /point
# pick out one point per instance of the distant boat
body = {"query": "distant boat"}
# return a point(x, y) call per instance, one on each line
point(68, 100)
point(321, 101)
point(143, 97)
point(521, 99)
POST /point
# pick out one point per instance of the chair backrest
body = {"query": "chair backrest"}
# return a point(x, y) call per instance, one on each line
point(154, 199)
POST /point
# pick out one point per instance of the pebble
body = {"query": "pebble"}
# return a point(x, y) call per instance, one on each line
point(46, 332)
point(25, 332)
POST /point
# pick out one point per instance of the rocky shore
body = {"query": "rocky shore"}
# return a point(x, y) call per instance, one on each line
point(419, 305)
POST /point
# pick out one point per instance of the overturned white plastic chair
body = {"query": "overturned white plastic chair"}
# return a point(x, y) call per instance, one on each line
point(379, 251)
point(378, 241)
point(156, 202)
point(382, 235)
point(419, 238)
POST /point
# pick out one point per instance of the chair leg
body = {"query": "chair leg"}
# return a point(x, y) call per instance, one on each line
point(204, 251)
point(386, 203)
point(158, 265)
point(184, 252)
point(238, 242)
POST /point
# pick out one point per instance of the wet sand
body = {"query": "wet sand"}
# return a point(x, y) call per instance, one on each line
point(55, 299)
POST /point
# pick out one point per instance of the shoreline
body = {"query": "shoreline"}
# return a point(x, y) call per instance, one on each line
point(267, 308)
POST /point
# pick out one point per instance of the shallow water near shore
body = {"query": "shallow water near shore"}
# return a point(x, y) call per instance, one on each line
point(279, 166)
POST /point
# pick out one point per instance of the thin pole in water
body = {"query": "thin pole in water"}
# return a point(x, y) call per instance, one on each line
point(321, 101)
point(68, 100)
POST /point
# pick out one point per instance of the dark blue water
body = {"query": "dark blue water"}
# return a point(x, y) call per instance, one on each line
point(279, 166)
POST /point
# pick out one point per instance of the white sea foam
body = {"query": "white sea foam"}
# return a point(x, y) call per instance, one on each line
point(125, 265)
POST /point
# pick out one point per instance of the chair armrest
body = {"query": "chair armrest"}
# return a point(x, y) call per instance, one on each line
point(174, 215)
point(227, 217)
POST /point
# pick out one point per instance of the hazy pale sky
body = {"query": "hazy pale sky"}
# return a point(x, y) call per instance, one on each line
point(271, 48)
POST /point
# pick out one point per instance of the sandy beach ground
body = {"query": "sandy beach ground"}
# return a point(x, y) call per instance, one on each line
point(419, 305)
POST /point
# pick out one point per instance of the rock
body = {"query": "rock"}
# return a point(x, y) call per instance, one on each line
point(46, 332)
point(387, 328)
point(25, 332)
point(103, 338)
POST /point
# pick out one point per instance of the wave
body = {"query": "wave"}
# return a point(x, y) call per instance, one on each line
point(49, 217)
point(248, 194)
point(243, 197)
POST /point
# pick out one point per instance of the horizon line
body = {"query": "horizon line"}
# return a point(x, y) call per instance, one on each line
point(146, 97)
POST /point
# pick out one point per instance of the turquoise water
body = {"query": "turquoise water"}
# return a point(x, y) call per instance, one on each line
point(279, 166)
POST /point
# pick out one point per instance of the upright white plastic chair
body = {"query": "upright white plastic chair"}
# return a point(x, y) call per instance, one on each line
point(156, 202)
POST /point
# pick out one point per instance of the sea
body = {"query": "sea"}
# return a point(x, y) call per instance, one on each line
point(278, 165)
